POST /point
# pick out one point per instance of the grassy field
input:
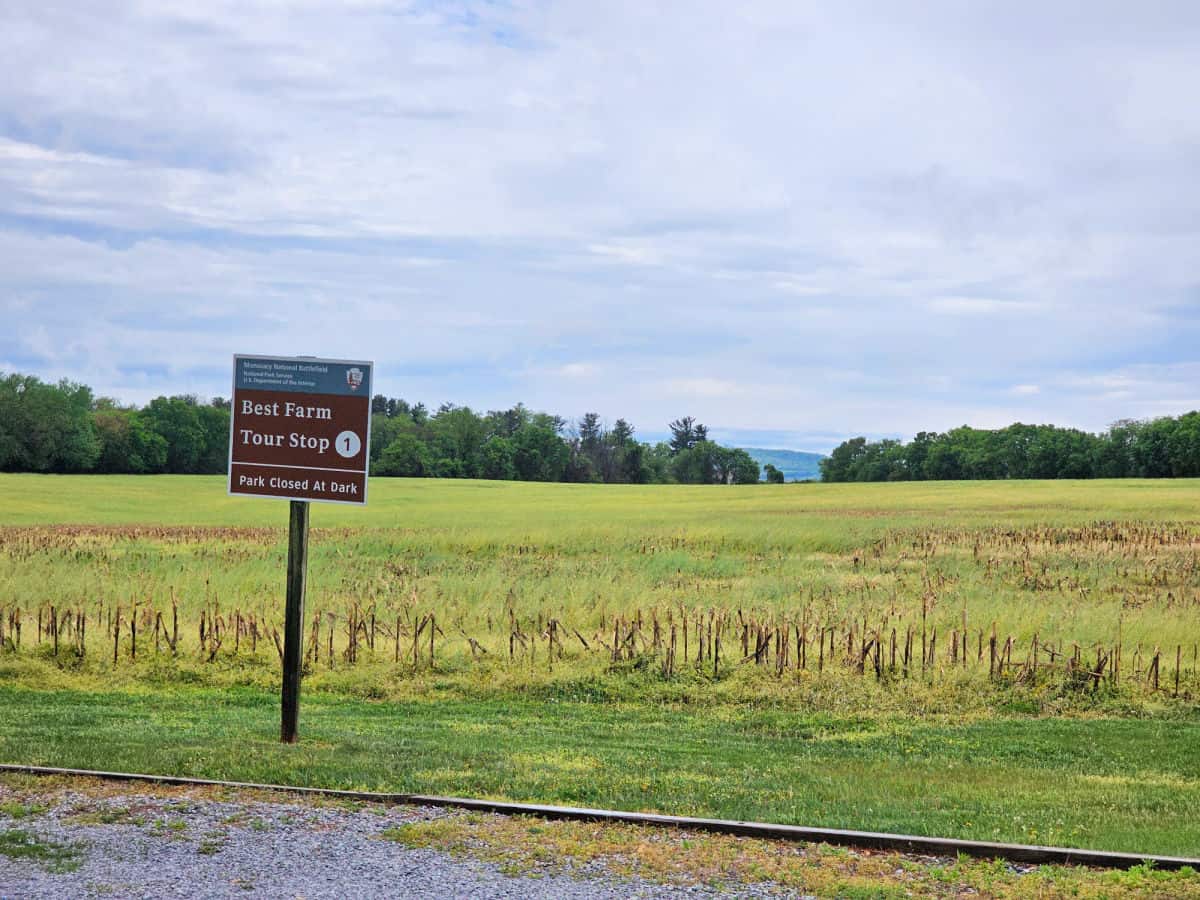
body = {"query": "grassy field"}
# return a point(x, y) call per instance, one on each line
point(559, 669)
point(1103, 573)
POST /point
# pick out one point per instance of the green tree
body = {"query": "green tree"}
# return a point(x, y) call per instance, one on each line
point(842, 463)
point(1114, 453)
point(1152, 449)
point(127, 444)
point(539, 453)
point(214, 423)
point(696, 464)
point(46, 428)
point(686, 432)
point(506, 423)
point(880, 461)
point(457, 441)
point(591, 432)
point(622, 434)
point(916, 452)
point(944, 462)
point(497, 459)
point(736, 466)
point(177, 420)
point(1183, 446)
point(656, 463)
point(631, 458)
point(579, 467)
point(406, 456)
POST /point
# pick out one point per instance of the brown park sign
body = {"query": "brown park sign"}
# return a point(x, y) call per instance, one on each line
point(300, 428)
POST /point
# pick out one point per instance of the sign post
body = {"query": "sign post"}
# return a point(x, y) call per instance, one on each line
point(293, 623)
point(300, 430)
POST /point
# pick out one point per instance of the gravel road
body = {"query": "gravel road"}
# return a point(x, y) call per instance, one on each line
point(128, 844)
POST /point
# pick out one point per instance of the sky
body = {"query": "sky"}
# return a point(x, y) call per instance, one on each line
point(796, 222)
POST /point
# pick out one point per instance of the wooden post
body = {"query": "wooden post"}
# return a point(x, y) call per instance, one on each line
point(293, 624)
point(716, 655)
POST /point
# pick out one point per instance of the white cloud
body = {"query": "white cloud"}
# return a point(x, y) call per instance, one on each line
point(979, 306)
point(703, 388)
point(804, 219)
point(627, 254)
point(577, 370)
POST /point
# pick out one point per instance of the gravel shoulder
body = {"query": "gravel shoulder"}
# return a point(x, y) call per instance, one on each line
point(199, 843)
point(82, 837)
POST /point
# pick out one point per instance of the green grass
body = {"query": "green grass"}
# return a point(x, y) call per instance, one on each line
point(584, 553)
point(480, 508)
point(525, 844)
point(1115, 784)
point(14, 810)
point(17, 843)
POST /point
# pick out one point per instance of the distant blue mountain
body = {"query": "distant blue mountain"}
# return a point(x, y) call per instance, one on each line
point(796, 465)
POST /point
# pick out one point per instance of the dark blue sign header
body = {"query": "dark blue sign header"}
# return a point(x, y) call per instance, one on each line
point(302, 375)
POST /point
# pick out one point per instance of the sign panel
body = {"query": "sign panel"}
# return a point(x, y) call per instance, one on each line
point(300, 428)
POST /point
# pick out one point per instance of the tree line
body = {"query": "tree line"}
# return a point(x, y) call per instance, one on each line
point(1157, 448)
point(521, 445)
point(65, 428)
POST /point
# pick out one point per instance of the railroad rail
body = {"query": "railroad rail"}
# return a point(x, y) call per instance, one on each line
point(874, 840)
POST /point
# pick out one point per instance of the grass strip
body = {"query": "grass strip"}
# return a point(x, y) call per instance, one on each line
point(1130, 785)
